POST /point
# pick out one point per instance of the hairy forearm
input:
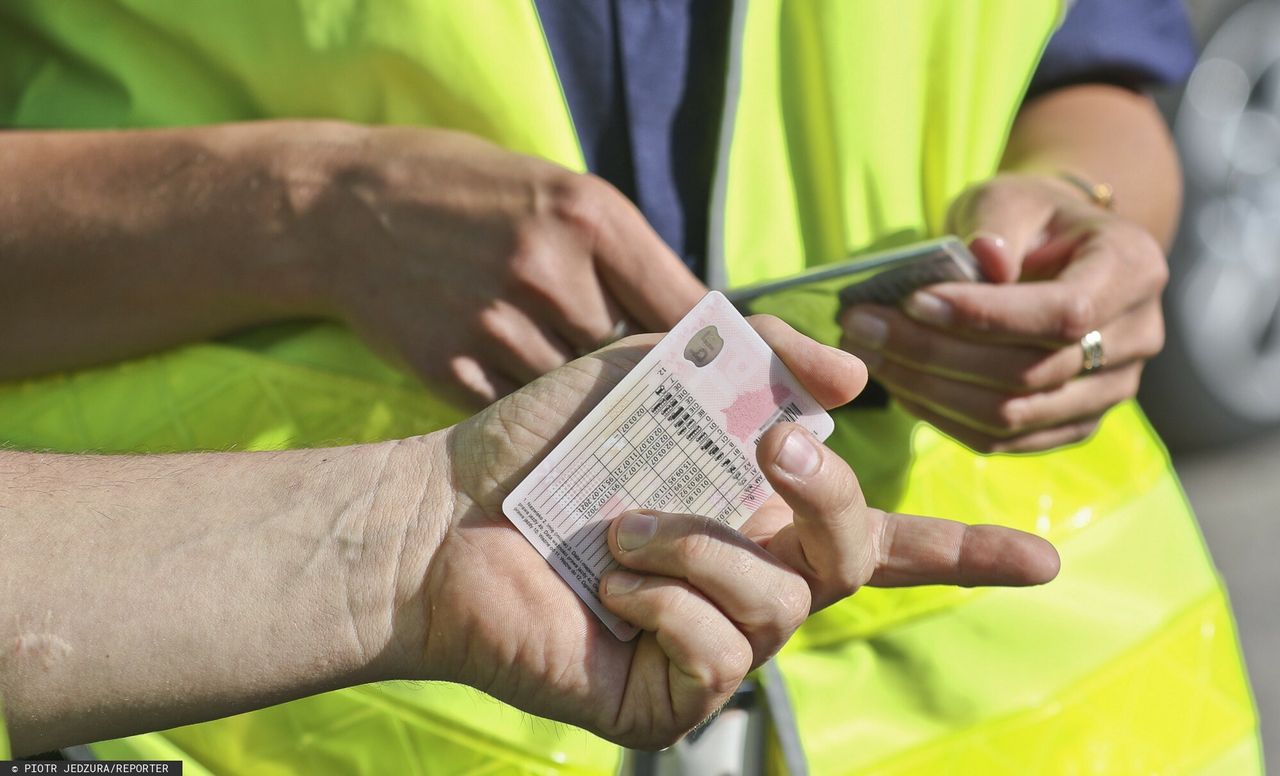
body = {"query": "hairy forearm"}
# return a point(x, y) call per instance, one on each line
point(1104, 134)
point(118, 243)
point(143, 592)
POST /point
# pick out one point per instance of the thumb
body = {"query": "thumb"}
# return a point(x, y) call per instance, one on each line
point(1002, 222)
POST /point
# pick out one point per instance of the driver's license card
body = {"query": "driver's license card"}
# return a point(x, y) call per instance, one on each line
point(678, 434)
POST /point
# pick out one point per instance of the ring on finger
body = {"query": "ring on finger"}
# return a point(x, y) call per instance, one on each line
point(1094, 356)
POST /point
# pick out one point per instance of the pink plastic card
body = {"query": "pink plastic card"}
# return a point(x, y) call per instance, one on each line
point(678, 434)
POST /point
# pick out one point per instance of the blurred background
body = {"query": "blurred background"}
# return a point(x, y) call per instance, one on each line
point(1214, 393)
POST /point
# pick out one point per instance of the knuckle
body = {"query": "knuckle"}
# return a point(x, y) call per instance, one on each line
point(671, 602)
point(723, 669)
point(1077, 317)
point(698, 547)
point(794, 602)
point(581, 201)
point(734, 662)
point(532, 256)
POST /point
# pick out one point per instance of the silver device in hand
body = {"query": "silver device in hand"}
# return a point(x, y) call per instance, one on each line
point(812, 301)
point(886, 277)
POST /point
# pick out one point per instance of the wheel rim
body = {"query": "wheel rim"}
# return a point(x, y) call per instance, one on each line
point(1227, 296)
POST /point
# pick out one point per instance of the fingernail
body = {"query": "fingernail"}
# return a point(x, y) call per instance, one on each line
point(622, 582)
point(994, 239)
point(635, 529)
point(924, 306)
point(868, 328)
point(799, 455)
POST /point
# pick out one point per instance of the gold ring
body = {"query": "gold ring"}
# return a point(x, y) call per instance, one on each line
point(1094, 357)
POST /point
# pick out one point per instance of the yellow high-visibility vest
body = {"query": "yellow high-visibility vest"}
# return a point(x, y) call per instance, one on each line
point(850, 125)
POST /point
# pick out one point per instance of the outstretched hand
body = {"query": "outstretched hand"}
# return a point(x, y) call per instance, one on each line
point(712, 602)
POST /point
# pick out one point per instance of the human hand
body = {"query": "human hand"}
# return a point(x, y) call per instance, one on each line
point(712, 603)
point(478, 268)
point(999, 365)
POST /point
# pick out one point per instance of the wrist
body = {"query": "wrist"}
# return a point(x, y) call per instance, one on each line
point(1070, 184)
point(292, 172)
point(410, 510)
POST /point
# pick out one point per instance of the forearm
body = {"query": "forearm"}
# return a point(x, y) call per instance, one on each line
point(148, 592)
point(1104, 134)
point(117, 243)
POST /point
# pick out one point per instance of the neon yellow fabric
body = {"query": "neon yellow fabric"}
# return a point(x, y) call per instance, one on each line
point(138, 63)
point(857, 122)
point(1091, 674)
point(4, 736)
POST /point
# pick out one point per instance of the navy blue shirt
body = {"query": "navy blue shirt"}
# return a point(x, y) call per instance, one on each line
point(644, 80)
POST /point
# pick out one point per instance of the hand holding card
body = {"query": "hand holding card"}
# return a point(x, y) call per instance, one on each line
point(711, 602)
point(677, 434)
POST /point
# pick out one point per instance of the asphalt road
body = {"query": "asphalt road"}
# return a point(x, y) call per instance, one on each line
point(1236, 494)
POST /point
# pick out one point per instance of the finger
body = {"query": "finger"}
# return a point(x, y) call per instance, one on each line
point(1135, 336)
point(707, 656)
point(840, 543)
point(914, 550)
point(620, 325)
point(829, 539)
point(517, 346)
point(639, 272)
point(892, 334)
point(574, 304)
point(829, 374)
point(1003, 221)
point(1002, 414)
point(476, 384)
point(582, 320)
point(978, 441)
point(554, 278)
point(762, 596)
point(1094, 289)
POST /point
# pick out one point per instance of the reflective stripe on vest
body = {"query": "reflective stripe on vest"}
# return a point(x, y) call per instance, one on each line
point(854, 124)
